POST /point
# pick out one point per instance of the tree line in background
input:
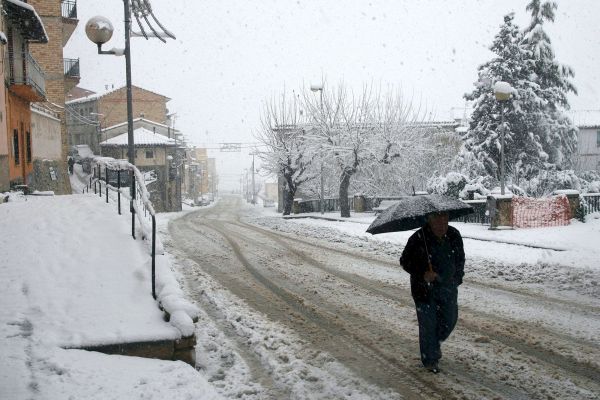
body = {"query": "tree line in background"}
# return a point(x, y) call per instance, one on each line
point(377, 143)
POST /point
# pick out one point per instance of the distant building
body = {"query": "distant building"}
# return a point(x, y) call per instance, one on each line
point(201, 175)
point(89, 114)
point(588, 139)
point(271, 191)
point(159, 158)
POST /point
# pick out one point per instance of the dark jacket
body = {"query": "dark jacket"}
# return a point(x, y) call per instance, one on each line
point(447, 257)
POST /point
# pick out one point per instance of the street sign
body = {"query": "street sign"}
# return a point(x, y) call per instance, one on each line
point(231, 147)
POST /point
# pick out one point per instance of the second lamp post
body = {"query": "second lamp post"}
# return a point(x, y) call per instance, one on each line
point(502, 92)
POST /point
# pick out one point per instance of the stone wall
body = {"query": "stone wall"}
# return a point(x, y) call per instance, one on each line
point(180, 349)
point(4, 179)
point(50, 175)
point(46, 135)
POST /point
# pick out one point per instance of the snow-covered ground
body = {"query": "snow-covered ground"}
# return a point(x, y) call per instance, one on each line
point(71, 275)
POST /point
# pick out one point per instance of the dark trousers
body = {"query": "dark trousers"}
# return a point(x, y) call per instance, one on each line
point(437, 318)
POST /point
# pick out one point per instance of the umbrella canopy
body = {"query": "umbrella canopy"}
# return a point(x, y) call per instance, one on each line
point(411, 213)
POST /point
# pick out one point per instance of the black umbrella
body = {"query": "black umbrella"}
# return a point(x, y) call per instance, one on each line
point(411, 213)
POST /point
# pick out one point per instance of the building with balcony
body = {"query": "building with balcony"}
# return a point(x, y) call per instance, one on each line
point(48, 132)
point(25, 82)
point(89, 114)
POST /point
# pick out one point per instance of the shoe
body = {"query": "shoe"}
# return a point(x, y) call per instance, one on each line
point(433, 368)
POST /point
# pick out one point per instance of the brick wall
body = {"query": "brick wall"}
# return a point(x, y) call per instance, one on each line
point(114, 106)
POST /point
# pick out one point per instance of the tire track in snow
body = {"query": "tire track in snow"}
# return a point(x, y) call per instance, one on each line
point(468, 321)
point(327, 320)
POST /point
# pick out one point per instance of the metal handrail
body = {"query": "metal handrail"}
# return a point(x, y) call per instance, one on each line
point(22, 69)
point(69, 9)
point(143, 198)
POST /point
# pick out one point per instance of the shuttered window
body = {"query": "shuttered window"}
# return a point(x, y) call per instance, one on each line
point(16, 146)
point(28, 146)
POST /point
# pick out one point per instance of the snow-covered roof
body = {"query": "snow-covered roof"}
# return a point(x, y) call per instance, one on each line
point(78, 92)
point(96, 96)
point(141, 137)
point(585, 118)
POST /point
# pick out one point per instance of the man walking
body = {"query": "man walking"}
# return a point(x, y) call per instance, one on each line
point(434, 257)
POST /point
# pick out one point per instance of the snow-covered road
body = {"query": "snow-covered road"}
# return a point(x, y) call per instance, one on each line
point(291, 311)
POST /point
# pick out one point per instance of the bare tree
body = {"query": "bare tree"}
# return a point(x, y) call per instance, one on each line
point(282, 131)
point(370, 130)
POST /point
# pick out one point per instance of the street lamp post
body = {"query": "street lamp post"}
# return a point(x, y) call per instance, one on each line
point(502, 92)
point(319, 88)
point(99, 30)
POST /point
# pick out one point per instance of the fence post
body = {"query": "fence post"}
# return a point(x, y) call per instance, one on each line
point(131, 209)
point(119, 189)
point(106, 174)
point(100, 180)
point(153, 257)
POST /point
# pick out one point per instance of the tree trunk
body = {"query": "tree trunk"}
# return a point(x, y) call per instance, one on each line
point(344, 184)
point(288, 202)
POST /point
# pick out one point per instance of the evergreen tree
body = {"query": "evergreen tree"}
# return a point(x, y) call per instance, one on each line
point(524, 153)
point(538, 134)
point(558, 134)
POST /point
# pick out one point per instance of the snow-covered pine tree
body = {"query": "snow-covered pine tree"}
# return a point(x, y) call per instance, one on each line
point(557, 133)
point(524, 155)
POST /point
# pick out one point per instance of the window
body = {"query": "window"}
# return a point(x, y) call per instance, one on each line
point(28, 146)
point(16, 146)
point(598, 138)
point(149, 153)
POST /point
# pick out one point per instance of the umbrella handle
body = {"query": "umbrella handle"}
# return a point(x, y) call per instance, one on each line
point(429, 266)
point(429, 269)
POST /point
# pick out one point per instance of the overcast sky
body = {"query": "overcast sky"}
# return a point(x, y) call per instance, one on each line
point(230, 56)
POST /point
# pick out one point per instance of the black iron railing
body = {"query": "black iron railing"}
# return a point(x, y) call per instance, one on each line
point(71, 67)
point(591, 202)
point(115, 175)
point(69, 9)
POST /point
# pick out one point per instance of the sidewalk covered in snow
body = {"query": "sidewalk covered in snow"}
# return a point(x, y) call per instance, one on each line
point(71, 276)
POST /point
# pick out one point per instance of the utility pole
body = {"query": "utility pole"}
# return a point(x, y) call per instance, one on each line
point(253, 191)
point(319, 88)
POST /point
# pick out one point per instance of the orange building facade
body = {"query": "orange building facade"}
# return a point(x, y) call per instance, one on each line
point(24, 83)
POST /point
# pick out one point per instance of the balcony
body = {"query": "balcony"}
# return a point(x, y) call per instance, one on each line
point(69, 9)
point(69, 18)
point(72, 76)
point(24, 76)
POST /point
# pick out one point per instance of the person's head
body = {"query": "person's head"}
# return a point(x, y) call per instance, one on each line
point(438, 223)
